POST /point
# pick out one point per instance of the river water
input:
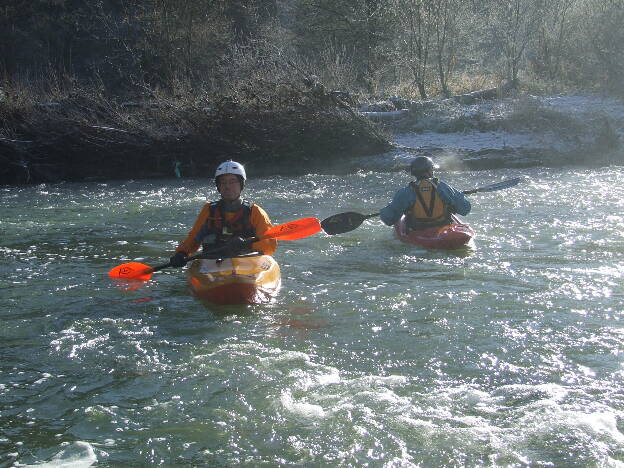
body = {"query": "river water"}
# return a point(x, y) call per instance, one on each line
point(509, 354)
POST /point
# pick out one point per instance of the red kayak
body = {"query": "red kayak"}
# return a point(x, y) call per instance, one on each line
point(447, 237)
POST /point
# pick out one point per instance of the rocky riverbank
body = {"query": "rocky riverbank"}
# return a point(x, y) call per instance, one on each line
point(513, 131)
point(89, 137)
point(86, 137)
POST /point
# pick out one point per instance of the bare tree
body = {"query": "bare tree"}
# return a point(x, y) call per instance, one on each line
point(364, 27)
point(414, 37)
point(552, 38)
point(446, 16)
point(603, 32)
point(514, 23)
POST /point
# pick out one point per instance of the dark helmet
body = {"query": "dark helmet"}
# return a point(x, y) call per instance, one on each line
point(421, 165)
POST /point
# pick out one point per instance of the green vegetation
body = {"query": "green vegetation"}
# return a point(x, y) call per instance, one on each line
point(130, 88)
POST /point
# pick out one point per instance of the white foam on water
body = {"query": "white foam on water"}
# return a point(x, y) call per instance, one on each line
point(516, 424)
point(301, 409)
point(287, 356)
point(77, 455)
point(551, 426)
point(320, 392)
point(439, 418)
point(541, 418)
point(600, 424)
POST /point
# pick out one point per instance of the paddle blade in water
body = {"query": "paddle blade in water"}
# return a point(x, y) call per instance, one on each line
point(501, 185)
point(343, 222)
point(132, 270)
point(293, 230)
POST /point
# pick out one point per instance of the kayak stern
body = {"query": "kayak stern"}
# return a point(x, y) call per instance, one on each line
point(448, 237)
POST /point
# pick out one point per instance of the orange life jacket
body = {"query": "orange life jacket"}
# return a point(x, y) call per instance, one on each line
point(428, 210)
point(218, 229)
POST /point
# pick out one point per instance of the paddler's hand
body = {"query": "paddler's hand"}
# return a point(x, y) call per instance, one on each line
point(178, 260)
point(238, 245)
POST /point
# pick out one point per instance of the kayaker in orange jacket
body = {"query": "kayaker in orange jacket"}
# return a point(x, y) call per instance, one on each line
point(226, 225)
point(427, 201)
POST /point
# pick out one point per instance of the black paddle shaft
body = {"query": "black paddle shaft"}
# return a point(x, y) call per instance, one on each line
point(498, 186)
point(206, 254)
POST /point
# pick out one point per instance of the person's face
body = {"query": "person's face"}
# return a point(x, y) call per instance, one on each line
point(229, 187)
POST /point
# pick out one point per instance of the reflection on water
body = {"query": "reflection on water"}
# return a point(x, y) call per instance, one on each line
point(505, 354)
point(297, 321)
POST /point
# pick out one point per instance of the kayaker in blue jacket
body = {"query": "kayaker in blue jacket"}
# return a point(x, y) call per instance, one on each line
point(427, 201)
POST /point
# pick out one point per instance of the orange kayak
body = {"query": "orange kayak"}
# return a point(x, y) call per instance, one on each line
point(240, 280)
point(447, 237)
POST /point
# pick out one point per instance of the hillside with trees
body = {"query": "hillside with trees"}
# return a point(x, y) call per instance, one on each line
point(128, 88)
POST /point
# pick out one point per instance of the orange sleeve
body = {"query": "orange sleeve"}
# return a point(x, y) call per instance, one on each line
point(189, 245)
point(261, 222)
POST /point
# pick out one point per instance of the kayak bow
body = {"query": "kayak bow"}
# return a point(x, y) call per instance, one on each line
point(253, 279)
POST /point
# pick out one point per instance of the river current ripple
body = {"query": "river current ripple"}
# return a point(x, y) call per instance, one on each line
point(509, 354)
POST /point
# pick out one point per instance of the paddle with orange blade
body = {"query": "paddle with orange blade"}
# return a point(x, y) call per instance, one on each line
point(292, 230)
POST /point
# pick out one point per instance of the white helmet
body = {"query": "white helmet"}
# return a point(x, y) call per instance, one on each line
point(231, 167)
